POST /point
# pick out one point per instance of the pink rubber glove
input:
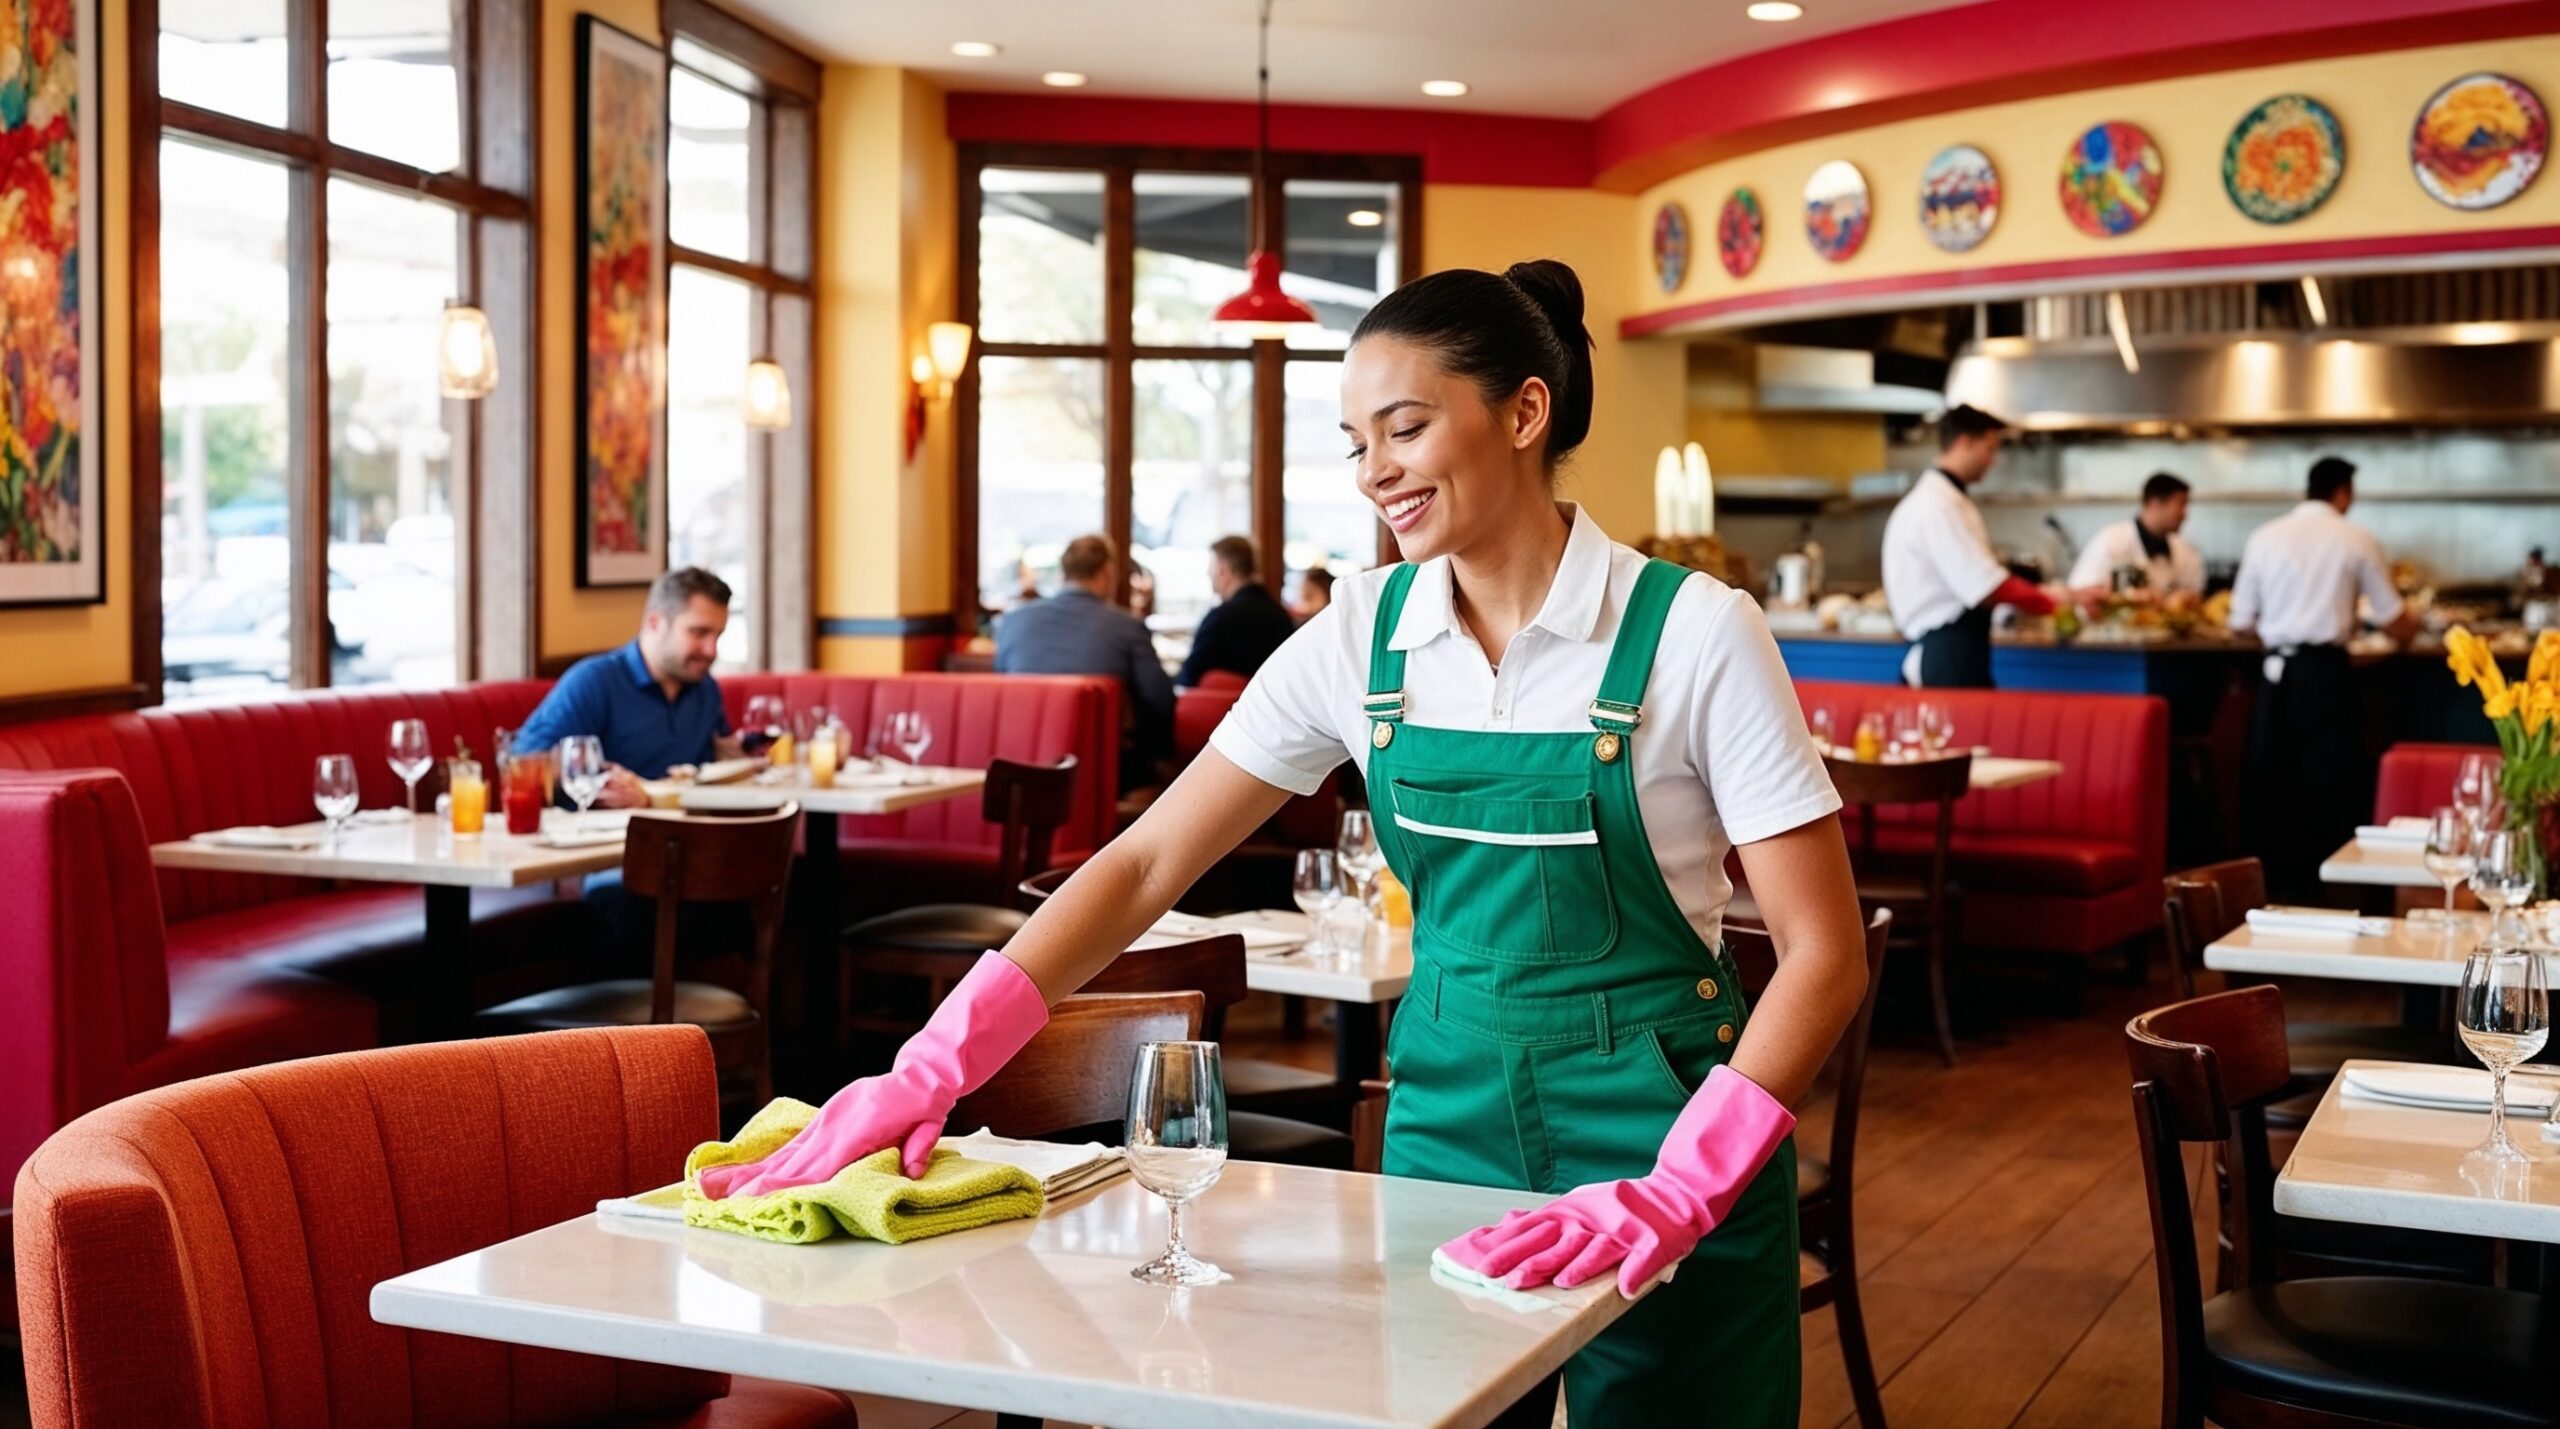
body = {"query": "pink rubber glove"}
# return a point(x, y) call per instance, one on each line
point(976, 1030)
point(1724, 1136)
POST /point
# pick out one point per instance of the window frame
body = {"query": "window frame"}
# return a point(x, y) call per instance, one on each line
point(1119, 351)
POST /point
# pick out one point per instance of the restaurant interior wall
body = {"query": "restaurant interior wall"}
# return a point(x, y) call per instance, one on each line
point(1725, 418)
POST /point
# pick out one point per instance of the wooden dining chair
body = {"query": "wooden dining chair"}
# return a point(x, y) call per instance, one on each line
point(677, 861)
point(1929, 908)
point(1826, 1185)
point(1074, 1073)
point(2320, 1353)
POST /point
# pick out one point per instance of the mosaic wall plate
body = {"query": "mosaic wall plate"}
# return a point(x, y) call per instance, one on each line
point(1836, 210)
point(1741, 232)
point(2480, 141)
point(2111, 179)
point(1670, 246)
point(2284, 158)
point(1959, 198)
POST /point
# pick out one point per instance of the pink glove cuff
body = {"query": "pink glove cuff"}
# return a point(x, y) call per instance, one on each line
point(988, 1017)
point(1726, 1133)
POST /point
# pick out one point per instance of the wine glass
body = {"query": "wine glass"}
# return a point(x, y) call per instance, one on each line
point(1937, 729)
point(410, 756)
point(1906, 733)
point(1178, 1144)
point(911, 734)
point(2504, 1011)
point(333, 789)
point(1822, 731)
point(1355, 845)
point(2501, 874)
point(764, 724)
point(1316, 884)
point(582, 770)
point(2448, 856)
point(2475, 788)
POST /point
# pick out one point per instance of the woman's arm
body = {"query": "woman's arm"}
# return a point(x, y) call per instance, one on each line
point(1809, 901)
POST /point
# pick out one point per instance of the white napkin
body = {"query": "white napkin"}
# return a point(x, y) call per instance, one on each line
point(594, 837)
point(2405, 832)
point(383, 816)
point(1457, 1277)
point(2447, 1088)
point(1183, 928)
point(263, 836)
point(2316, 923)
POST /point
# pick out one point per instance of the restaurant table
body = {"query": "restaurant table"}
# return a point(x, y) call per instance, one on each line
point(2385, 1164)
point(421, 850)
point(1360, 982)
point(2411, 954)
point(1333, 1318)
point(1988, 771)
point(2376, 867)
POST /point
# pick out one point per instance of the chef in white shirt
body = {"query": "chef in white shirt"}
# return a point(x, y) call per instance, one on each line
point(2300, 577)
point(1940, 576)
point(2148, 542)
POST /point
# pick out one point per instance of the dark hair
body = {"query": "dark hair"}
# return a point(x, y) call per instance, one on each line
point(2329, 476)
point(1085, 556)
point(1498, 330)
point(1236, 554)
point(1961, 421)
point(2163, 487)
point(669, 594)
point(1320, 578)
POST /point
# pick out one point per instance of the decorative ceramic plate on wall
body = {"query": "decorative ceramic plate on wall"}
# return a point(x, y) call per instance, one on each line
point(2111, 179)
point(1670, 246)
point(2284, 158)
point(2480, 141)
point(1959, 197)
point(1741, 231)
point(1836, 210)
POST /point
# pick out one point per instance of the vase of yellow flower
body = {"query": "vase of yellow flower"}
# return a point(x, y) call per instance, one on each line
point(2526, 717)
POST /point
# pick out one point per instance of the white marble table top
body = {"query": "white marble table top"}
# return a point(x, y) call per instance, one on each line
point(2419, 954)
point(2380, 1163)
point(891, 790)
point(1378, 970)
point(419, 851)
point(1333, 1319)
point(2378, 867)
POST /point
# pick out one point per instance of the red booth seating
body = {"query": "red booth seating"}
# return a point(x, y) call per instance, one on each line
point(2418, 778)
point(1195, 714)
point(203, 1255)
point(2071, 864)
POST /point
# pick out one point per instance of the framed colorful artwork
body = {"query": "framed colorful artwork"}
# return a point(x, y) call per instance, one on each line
point(622, 293)
point(52, 499)
point(1959, 198)
point(1670, 246)
point(1836, 211)
point(2480, 141)
point(2111, 179)
point(1741, 231)
point(2284, 158)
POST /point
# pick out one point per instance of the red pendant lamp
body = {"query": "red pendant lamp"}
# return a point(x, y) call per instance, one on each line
point(1262, 310)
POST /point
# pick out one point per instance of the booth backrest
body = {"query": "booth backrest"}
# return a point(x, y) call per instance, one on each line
point(1035, 719)
point(2114, 751)
point(2418, 778)
point(216, 766)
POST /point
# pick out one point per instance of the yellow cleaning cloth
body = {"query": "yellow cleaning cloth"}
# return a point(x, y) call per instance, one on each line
point(872, 1198)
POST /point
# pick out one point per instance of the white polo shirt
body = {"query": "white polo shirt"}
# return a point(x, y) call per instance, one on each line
point(2118, 544)
point(2300, 575)
point(1937, 556)
point(1722, 757)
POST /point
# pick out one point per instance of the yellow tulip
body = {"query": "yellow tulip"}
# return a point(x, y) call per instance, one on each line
point(2545, 664)
point(2501, 703)
point(2460, 649)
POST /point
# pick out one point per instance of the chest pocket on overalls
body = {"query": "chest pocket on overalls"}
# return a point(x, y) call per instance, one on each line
point(1516, 880)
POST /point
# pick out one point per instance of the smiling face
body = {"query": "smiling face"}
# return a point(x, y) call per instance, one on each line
point(1445, 468)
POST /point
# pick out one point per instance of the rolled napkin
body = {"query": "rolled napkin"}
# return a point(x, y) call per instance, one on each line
point(263, 836)
point(871, 1199)
point(2408, 831)
point(2447, 1088)
point(2316, 923)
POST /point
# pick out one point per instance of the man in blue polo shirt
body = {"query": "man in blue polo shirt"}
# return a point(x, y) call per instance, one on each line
point(651, 703)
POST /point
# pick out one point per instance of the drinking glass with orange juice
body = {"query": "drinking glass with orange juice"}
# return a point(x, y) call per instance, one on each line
point(469, 795)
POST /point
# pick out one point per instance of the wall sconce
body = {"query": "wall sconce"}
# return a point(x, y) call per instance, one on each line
point(765, 401)
point(466, 352)
point(946, 357)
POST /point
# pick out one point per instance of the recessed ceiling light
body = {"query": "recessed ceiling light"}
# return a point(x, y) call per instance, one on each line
point(1063, 79)
point(1444, 88)
point(975, 49)
point(1364, 218)
point(1774, 10)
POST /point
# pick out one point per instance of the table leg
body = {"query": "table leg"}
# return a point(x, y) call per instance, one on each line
point(822, 928)
point(1355, 1043)
point(445, 1000)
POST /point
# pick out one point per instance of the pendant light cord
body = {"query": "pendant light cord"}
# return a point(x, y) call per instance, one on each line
point(1262, 112)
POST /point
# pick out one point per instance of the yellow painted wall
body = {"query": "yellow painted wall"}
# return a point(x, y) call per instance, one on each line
point(1639, 403)
point(88, 647)
point(2376, 98)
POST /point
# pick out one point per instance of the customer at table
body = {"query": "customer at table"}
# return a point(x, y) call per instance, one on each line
point(1315, 592)
point(2149, 543)
point(1246, 625)
point(1079, 631)
point(652, 703)
point(1941, 578)
point(2300, 578)
point(1572, 738)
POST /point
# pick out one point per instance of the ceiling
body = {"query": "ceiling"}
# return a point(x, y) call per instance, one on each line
point(1568, 59)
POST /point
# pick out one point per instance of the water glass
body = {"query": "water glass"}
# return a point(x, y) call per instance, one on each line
point(1316, 884)
point(2504, 1012)
point(2448, 856)
point(410, 756)
point(1822, 731)
point(910, 735)
point(333, 789)
point(582, 769)
point(2501, 875)
point(1355, 844)
point(1906, 733)
point(1937, 727)
point(1177, 1145)
point(2475, 788)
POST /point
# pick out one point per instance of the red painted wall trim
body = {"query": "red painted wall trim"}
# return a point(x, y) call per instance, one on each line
point(1960, 280)
point(1456, 147)
point(2003, 50)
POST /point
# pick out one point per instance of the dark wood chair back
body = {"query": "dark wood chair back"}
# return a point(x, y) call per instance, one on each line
point(1075, 1072)
point(1755, 959)
point(1212, 967)
point(1916, 781)
point(1030, 802)
point(1035, 890)
point(678, 860)
point(2203, 905)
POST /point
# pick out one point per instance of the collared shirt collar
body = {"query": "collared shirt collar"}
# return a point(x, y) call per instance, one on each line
point(1572, 609)
point(1949, 478)
point(636, 666)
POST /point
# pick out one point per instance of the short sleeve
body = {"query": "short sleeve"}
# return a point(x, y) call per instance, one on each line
point(1283, 729)
point(574, 706)
point(1748, 737)
point(1958, 543)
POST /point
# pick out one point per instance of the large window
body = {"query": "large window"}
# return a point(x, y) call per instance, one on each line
point(320, 197)
point(1107, 400)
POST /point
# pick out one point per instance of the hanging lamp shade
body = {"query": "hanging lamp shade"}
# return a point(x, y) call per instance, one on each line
point(1262, 309)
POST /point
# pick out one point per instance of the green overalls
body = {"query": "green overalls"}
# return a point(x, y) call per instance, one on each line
point(1563, 1010)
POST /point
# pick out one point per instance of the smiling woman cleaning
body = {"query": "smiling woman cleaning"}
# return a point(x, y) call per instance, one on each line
point(1562, 739)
